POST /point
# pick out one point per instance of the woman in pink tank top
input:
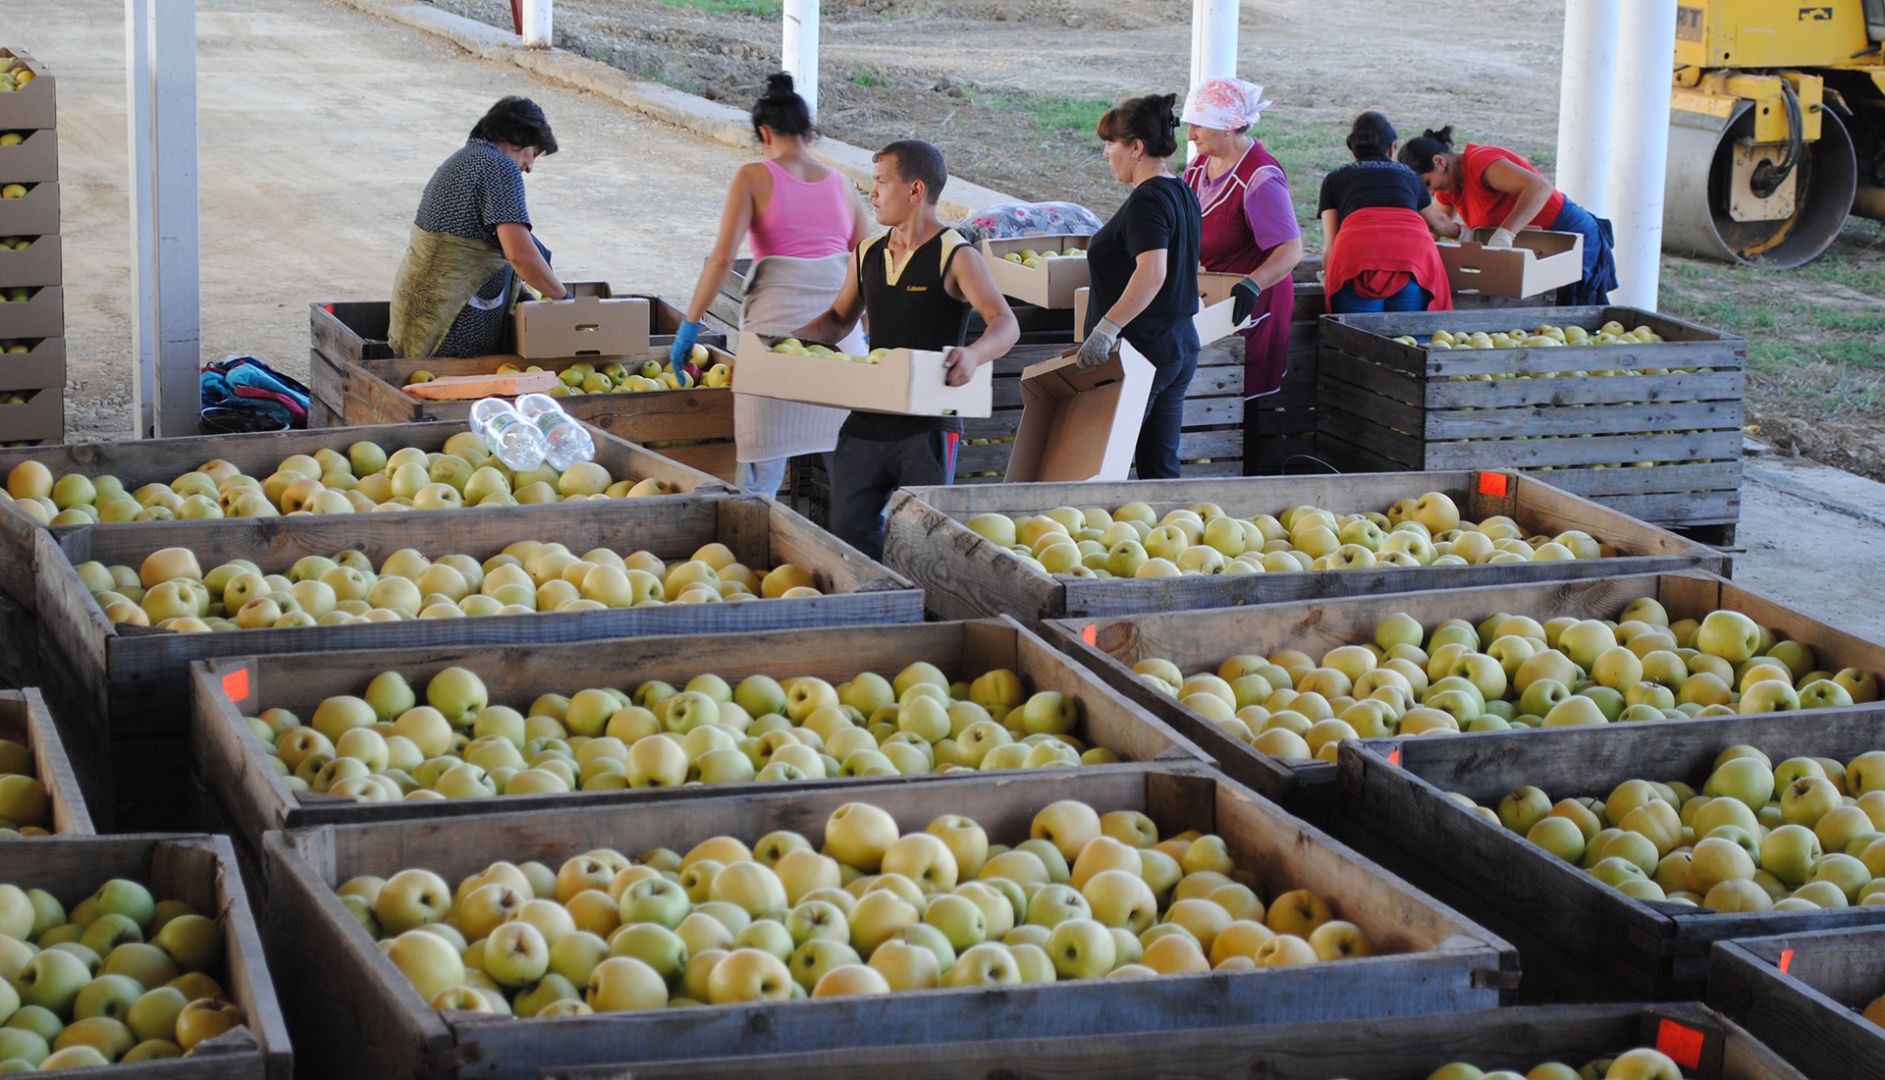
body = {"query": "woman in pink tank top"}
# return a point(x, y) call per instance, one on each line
point(787, 207)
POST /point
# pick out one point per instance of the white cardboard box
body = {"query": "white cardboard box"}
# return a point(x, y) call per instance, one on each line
point(1213, 319)
point(906, 381)
point(1080, 425)
point(591, 322)
point(1050, 285)
point(1537, 261)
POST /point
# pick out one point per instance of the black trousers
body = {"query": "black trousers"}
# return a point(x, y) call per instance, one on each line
point(864, 473)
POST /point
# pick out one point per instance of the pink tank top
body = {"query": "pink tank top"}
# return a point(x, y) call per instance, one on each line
point(803, 220)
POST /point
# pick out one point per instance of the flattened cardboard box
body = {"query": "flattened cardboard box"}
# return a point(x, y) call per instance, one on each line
point(1050, 285)
point(1213, 320)
point(33, 161)
point(35, 214)
point(32, 107)
point(906, 381)
point(41, 365)
point(1080, 425)
point(1537, 261)
point(41, 419)
point(592, 322)
point(41, 315)
point(39, 263)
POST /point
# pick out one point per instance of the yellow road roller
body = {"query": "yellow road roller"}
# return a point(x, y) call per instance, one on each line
point(1777, 127)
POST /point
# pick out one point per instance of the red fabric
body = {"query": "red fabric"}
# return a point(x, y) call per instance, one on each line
point(1390, 240)
point(1484, 207)
point(1226, 246)
point(1379, 284)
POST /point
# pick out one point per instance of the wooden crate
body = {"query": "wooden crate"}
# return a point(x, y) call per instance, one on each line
point(236, 768)
point(966, 576)
point(123, 683)
point(24, 718)
point(200, 870)
point(1805, 994)
point(1201, 640)
point(1649, 950)
point(701, 417)
point(1280, 428)
point(388, 1030)
point(1392, 1049)
point(1385, 405)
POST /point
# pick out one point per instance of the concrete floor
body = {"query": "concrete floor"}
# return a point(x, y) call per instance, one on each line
point(1815, 541)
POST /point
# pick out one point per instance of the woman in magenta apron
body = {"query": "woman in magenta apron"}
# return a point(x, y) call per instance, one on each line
point(1249, 223)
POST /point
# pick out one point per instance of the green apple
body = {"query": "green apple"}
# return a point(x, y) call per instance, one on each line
point(811, 960)
point(988, 964)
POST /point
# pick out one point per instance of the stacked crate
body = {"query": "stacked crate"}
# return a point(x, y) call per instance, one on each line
point(32, 303)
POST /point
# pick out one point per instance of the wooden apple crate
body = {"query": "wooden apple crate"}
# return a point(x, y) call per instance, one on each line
point(1649, 950)
point(235, 765)
point(965, 576)
point(1280, 428)
point(200, 870)
point(125, 689)
point(1402, 1048)
point(1805, 994)
point(1385, 405)
point(1201, 640)
point(363, 1019)
point(24, 718)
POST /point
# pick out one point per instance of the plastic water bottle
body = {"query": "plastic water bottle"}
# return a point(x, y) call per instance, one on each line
point(515, 441)
point(565, 438)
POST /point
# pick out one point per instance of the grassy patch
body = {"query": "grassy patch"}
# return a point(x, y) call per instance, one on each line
point(765, 9)
point(868, 79)
point(1048, 112)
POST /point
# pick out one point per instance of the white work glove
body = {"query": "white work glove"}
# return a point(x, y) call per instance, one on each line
point(1098, 346)
point(1501, 238)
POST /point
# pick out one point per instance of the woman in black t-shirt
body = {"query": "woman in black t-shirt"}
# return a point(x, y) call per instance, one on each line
point(1144, 269)
point(1377, 252)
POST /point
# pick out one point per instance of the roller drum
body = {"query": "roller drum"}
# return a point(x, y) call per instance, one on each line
point(1696, 193)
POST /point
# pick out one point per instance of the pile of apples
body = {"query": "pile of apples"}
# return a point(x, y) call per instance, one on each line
point(1544, 337)
point(1133, 541)
point(584, 378)
point(364, 479)
point(14, 347)
point(171, 592)
point(19, 294)
point(385, 745)
point(25, 807)
point(1509, 672)
point(14, 75)
point(1806, 834)
point(1640, 1063)
point(16, 243)
point(863, 911)
point(1033, 259)
point(795, 347)
point(120, 977)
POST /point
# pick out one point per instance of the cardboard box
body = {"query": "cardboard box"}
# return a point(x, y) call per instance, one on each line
point(473, 387)
point(1536, 262)
point(40, 419)
point(39, 263)
point(35, 214)
point(1080, 425)
point(1213, 319)
point(42, 364)
point(592, 322)
point(30, 108)
point(907, 381)
point(41, 315)
point(1050, 285)
point(33, 161)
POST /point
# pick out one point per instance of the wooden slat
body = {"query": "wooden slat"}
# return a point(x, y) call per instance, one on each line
point(1448, 424)
point(1811, 1013)
point(1393, 1049)
point(1609, 390)
point(255, 800)
point(24, 718)
point(306, 865)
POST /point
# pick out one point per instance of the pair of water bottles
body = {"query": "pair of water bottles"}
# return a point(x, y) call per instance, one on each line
point(533, 431)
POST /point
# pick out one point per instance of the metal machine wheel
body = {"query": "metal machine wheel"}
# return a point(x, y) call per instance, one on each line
point(1696, 195)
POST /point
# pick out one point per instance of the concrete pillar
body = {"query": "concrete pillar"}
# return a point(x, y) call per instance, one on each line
point(1213, 44)
point(538, 33)
point(800, 49)
point(1645, 50)
point(166, 279)
point(1586, 93)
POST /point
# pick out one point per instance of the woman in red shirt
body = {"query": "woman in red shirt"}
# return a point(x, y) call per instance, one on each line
point(1493, 188)
point(1249, 222)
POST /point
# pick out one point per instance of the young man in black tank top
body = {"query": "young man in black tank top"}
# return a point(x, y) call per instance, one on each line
point(917, 283)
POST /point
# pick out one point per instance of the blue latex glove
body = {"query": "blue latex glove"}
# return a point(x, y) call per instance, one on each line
point(1244, 297)
point(683, 348)
point(1098, 345)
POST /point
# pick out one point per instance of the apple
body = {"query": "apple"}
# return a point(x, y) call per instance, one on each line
point(987, 964)
point(428, 961)
point(1069, 825)
point(1298, 912)
point(1081, 949)
point(810, 961)
point(625, 984)
point(654, 900)
point(749, 975)
point(858, 834)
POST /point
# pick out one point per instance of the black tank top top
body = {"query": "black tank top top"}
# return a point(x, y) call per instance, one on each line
point(910, 308)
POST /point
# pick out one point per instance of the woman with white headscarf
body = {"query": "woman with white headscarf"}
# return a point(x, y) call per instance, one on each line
point(1249, 223)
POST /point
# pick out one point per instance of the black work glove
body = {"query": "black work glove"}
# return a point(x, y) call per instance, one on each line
point(1244, 297)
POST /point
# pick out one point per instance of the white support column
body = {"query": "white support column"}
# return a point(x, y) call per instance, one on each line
point(539, 33)
point(800, 49)
point(161, 51)
point(1213, 45)
point(1586, 92)
point(137, 66)
point(1640, 158)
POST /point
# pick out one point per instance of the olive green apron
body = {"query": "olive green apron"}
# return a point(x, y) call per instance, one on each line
point(437, 278)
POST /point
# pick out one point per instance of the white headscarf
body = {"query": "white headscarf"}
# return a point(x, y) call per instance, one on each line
point(1224, 104)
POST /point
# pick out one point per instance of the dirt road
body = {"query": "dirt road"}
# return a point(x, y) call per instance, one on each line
point(319, 127)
